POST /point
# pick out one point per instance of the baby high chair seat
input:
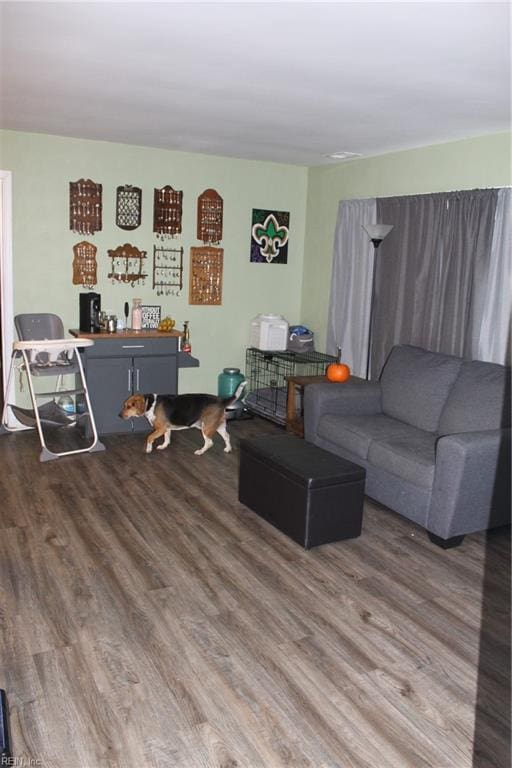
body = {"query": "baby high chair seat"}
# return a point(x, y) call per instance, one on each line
point(40, 353)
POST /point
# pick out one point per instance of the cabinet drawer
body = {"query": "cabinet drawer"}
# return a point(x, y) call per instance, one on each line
point(132, 347)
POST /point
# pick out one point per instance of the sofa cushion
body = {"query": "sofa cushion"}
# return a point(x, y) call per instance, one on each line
point(411, 457)
point(355, 433)
point(479, 400)
point(415, 385)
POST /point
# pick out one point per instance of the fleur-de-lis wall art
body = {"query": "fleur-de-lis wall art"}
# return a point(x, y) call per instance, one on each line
point(269, 236)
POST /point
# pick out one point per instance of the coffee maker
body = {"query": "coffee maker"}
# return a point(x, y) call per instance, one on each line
point(90, 308)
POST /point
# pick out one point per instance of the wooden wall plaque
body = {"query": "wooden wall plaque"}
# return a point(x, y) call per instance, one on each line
point(85, 206)
point(167, 211)
point(84, 265)
point(206, 265)
point(128, 207)
point(126, 264)
point(167, 270)
point(209, 217)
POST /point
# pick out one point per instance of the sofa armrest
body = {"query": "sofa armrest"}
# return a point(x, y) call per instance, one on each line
point(471, 489)
point(356, 397)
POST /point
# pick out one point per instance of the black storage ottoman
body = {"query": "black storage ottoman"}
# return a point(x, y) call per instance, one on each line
point(310, 494)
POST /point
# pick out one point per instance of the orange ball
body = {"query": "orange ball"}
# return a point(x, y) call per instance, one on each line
point(338, 372)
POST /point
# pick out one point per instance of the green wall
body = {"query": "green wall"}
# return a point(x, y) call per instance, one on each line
point(42, 167)
point(471, 163)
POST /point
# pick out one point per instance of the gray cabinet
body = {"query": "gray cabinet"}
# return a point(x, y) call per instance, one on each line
point(117, 367)
point(107, 382)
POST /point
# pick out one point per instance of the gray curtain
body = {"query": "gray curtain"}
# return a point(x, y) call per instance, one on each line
point(495, 337)
point(431, 272)
point(351, 284)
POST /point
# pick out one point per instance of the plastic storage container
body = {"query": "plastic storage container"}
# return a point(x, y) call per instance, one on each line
point(137, 315)
point(66, 403)
point(269, 332)
point(228, 381)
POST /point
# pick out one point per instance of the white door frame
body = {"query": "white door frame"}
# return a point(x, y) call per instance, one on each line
point(6, 273)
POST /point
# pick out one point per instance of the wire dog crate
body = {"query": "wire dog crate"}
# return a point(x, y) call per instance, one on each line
point(265, 373)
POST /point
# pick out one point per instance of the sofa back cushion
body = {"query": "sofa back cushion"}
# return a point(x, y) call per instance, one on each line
point(479, 400)
point(415, 385)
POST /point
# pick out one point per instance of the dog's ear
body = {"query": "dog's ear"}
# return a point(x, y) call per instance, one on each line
point(139, 403)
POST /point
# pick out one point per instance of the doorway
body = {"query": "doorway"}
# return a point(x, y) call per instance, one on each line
point(6, 280)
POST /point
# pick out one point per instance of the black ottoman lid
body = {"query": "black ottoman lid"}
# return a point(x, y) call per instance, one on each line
point(302, 461)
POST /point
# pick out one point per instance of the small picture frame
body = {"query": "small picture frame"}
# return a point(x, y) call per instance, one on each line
point(151, 314)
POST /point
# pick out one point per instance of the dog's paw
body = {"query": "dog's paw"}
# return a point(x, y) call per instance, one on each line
point(227, 449)
point(161, 447)
point(199, 452)
point(149, 448)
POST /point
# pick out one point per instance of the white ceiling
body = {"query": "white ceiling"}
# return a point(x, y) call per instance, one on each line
point(287, 82)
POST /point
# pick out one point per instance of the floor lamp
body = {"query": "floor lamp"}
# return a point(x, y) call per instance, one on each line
point(376, 233)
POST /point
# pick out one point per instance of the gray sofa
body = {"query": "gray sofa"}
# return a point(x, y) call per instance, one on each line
point(433, 435)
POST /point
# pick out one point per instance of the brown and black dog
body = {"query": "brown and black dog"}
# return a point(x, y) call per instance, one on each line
point(168, 412)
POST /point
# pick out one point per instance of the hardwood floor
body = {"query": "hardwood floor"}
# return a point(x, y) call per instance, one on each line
point(149, 620)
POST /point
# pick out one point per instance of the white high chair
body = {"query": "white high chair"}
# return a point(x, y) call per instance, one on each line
point(42, 351)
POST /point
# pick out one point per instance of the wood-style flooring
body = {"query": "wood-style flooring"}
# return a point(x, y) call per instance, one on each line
point(149, 620)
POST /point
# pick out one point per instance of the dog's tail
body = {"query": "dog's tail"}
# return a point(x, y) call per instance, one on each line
point(230, 400)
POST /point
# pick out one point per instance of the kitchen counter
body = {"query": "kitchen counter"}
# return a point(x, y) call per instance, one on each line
point(120, 364)
point(129, 334)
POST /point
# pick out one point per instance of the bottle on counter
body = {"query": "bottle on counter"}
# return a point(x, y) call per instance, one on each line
point(185, 339)
point(137, 315)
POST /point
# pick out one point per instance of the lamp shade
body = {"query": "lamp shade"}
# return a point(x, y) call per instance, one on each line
point(377, 231)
